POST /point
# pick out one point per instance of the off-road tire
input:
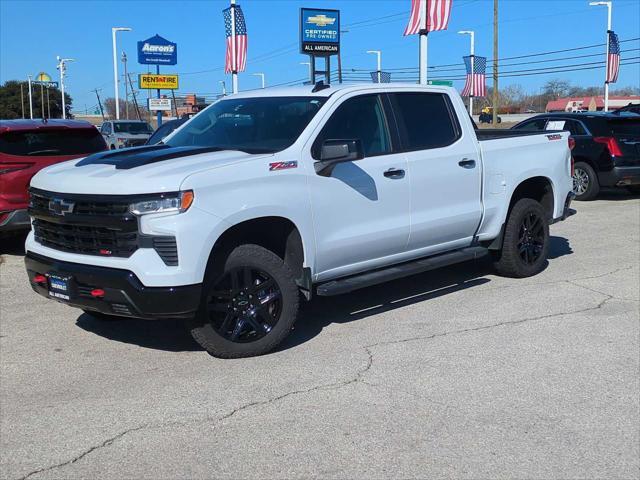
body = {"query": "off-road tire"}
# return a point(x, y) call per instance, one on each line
point(508, 261)
point(254, 257)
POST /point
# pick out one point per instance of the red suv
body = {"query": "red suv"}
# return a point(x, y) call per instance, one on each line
point(27, 146)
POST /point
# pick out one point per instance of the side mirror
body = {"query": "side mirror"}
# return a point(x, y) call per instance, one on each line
point(333, 152)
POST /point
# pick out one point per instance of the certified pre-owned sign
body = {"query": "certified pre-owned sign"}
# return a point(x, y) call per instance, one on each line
point(158, 82)
point(319, 31)
point(157, 51)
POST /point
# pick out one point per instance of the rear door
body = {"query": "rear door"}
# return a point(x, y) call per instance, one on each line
point(445, 172)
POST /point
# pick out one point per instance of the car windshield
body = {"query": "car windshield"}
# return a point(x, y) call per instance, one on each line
point(132, 127)
point(52, 142)
point(253, 125)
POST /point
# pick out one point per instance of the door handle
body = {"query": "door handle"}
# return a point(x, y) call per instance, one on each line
point(394, 173)
point(467, 163)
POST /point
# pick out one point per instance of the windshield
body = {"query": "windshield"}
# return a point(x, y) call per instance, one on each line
point(254, 125)
point(132, 127)
point(52, 142)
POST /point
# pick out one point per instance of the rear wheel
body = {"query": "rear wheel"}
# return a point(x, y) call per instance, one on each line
point(526, 241)
point(249, 304)
point(585, 182)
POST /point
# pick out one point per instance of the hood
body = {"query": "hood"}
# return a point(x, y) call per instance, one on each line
point(148, 169)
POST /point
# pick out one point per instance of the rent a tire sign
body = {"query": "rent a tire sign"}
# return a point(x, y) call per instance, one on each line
point(319, 31)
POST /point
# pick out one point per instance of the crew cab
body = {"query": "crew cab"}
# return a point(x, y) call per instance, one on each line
point(606, 151)
point(26, 147)
point(271, 196)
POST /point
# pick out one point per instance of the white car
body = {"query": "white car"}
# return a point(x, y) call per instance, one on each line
point(270, 194)
point(125, 133)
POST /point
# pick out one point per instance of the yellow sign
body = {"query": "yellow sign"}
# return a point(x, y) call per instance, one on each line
point(43, 77)
point(158, 82)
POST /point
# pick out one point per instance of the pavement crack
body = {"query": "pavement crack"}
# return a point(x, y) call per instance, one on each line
point(106, 443)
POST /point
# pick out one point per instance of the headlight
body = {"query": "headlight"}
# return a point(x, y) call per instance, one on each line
point(164, 203)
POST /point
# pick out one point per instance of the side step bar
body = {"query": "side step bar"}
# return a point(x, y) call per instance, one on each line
point(349, 284)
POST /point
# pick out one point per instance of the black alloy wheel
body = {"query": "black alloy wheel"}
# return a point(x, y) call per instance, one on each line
point(244, 305)
point(531, 238)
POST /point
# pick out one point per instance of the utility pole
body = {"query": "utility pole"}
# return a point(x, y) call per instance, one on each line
point(30, 99)
point(133, 94)
point(606, 70)
point(126, 87)
point(114, 30)
point(379, 70)
point(99, 103)
point(22, 97)
point(495, 62)
point(175, 104)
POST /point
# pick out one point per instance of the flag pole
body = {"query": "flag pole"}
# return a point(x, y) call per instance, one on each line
point(472, 73)
point(234, 59)
point(606, 83)
point(424, 43)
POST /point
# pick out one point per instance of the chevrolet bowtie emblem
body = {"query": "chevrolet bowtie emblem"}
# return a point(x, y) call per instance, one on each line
point(58, 206)
point(321, 20)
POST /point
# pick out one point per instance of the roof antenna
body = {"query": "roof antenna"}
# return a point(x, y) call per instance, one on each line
point(320, 86)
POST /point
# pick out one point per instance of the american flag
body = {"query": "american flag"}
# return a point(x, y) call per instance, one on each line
point(476, 79)
point(237, 44)
point(429, 15)
point(614, 58)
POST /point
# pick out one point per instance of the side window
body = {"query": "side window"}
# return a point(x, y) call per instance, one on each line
point(533, 125)
point(360, 118)
point(106, 128)
point(427, 119)
point(575, 128)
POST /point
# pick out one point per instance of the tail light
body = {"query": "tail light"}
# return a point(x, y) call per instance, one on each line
point(13, 167)
point(572, 143)
point(612, 145)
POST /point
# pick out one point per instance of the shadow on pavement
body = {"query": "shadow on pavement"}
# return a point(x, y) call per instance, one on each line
point(614, 194)
point(13, 243)
point(172, 336)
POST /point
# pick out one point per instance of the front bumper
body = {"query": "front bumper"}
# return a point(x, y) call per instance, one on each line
point(620, 177)
point(14, 220)
point(124, 294)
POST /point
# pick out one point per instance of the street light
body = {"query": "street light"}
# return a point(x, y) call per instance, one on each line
point(115, 66)
point(379, 54)
point(312, 80)
point(471, 92)
point(62, 66)
point(261, 75)
point(606, 83)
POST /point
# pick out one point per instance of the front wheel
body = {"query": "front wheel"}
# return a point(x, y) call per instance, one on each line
point(249, 304)
point(526, 241)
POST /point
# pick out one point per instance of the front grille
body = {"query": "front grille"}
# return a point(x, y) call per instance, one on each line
point(93, 225)
point(85, 239)
point(135, 142)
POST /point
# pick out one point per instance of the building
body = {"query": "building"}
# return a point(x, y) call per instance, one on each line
point(589, 104)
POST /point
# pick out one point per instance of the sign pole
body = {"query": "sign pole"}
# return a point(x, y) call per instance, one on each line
point(159, 115)
point(30, 100)
point(472, 73)
point(234, 70)
point(22, 97)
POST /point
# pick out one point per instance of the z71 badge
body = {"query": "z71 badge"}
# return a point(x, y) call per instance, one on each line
point(282, 166)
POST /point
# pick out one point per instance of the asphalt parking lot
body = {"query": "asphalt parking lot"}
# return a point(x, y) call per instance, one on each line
point(454, 373)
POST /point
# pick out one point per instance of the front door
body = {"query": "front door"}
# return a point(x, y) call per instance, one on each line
point(360, 209)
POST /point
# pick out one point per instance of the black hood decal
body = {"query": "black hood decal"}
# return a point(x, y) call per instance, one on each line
point(139, 156)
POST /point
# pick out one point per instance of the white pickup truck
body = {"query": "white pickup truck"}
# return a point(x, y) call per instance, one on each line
point(270, 196)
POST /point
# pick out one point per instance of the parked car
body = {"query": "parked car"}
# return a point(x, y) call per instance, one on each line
point(125, 133)
point(270, 194)
point(607, 148)
point(165, 129)
point(27, 146)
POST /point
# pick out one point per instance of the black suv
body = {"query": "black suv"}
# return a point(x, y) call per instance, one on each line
point(606, 152)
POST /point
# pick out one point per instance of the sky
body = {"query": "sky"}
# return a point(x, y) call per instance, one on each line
point(33, 33)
